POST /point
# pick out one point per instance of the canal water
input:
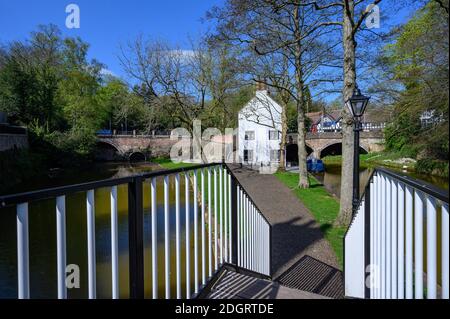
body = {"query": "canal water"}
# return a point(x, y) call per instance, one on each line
point(42, 237)
point(331, 178)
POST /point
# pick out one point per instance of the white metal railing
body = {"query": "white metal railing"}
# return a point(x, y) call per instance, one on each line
point(227, 228)
point(397, 239)
point(253, 236)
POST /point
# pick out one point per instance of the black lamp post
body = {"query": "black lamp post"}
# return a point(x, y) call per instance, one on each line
point(357, 105)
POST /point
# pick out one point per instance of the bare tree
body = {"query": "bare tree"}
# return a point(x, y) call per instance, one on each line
point(287, 28)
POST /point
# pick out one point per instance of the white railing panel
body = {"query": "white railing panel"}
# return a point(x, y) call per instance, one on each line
point(23, 266)
point(166, 237)
point(431, 248)
point(154, 238)
point(354, 258)
point(409, 216)
point(61, 245)
point(114, 244)
point(445, 252)
point(401, 242)
point(418, 244)
point(90, 208)
point(177, 236)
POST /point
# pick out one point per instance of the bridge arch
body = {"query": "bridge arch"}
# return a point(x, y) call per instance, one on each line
point(137, 156)
point(106, 151)
point(335, 148)
point(292, 153)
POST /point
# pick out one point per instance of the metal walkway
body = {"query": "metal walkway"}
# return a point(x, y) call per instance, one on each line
point(310, 274)
point(232, 285)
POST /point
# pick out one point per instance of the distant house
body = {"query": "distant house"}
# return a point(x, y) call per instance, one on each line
point(325, 121)
point(321, 122)
point(429, 118)
point(260, 130)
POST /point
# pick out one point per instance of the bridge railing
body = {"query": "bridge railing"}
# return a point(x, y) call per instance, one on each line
point(397, 246)
point(220, 217)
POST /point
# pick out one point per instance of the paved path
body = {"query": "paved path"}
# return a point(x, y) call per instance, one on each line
point(295, 233)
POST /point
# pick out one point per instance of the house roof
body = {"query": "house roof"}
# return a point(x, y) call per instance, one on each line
point(316, 117)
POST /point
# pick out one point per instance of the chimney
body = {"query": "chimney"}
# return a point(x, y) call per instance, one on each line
point(260, 86)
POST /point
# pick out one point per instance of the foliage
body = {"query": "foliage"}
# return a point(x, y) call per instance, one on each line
point(418, 61)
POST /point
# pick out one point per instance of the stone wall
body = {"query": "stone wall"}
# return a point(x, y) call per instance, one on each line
point(11, 141)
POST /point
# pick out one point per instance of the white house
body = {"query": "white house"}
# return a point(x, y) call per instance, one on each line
point(260, 131)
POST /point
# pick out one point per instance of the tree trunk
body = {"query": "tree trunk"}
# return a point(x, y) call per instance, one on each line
point(303, 181)
point(349, 43)
point(282, 166)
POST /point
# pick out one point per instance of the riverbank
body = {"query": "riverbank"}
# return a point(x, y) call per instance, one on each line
point(397, 161)
point(323, 206)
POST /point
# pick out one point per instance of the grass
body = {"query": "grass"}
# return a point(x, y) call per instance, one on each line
point(167, 163)
point(374, 159)
point(323, 206)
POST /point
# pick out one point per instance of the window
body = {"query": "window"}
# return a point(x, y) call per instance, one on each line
point(274, 155)
point(274, 135)
point(249, 135)
point(248, 156)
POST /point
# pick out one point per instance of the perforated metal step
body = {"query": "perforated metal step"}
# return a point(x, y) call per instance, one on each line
point(312, 275)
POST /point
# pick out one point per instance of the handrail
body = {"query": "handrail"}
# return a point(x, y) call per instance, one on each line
point(41, 194)
point(423, 186)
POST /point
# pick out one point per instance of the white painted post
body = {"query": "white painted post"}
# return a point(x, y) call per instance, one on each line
point(188, 235)
point(225, 214)
point(61, 245)
point(114, 244)
point(394, 213)
point(23, 265)
point(431, 248)
point(90, 207)
point(177, 235)
point(372, 235)
point(195, 203)
point(409, 294)
point(221, 213)
point(202, 212)
point(445, 252)
point(216, 266)
point(388, 239)
point(378, 235)
point(401, 242)
point(383, 237)
point(230, 226)
point(154, 239)
point(239, 262)
point(210, 226)
point(418, 244)
point(166, 236)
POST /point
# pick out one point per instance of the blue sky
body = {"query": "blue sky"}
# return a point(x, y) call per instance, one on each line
point(105, 23)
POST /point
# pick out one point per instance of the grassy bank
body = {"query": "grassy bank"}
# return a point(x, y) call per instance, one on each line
point(323, 206)
point(397, 160)
point(167, 163)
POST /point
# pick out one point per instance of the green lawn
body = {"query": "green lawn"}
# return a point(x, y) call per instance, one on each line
point(168, 164)
point(323, 206)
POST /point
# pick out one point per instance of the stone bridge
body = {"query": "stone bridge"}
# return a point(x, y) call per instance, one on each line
point(330, 143)
point(141, 147)
point(134, 148)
